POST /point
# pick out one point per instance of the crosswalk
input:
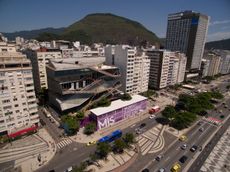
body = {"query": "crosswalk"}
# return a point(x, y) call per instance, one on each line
point(64, 143)
point(212, 120)
point(151, 141)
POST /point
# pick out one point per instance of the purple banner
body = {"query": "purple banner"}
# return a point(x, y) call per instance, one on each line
point(111, 118)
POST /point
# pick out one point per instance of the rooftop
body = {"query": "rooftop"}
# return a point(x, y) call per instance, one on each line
point(117, 104)
point(76, 63)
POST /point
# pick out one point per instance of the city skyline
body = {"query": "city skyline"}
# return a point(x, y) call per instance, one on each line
point(153, 15)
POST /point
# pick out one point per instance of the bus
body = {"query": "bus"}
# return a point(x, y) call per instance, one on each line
point(111, 137)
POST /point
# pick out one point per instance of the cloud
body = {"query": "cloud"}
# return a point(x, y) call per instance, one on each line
point(218, 36)
point(219, 22)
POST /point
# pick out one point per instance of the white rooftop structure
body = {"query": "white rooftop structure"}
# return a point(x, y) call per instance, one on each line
point(74, 63)
point(117, 104)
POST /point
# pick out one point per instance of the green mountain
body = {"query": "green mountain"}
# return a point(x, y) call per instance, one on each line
point(100, 27)
point(33, 33)
point(221, 44)
point(109, 28)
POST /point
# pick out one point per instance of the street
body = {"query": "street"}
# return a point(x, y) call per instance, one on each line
point(75, 153)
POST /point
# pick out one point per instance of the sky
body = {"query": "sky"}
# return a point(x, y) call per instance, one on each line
point(18, 15)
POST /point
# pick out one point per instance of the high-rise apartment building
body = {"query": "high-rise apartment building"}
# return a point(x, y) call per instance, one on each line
point(166, 68)
point(39, 59)
point(134, 67)
point(18, 107)
point(224, 67)
point(214, 63)
point(186, 32)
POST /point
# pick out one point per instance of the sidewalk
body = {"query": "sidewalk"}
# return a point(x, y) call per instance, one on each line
point(116, 162)
point(31, 163)
point(82, 138)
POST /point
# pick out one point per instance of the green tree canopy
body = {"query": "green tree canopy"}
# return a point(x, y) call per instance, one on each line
point(129, 138)
point(119, 144)
point(72, 123)
point(126, 96)
point(103, 149)
point(90, 128)
point(217, 95)
point(183, 120)
point(169, 112)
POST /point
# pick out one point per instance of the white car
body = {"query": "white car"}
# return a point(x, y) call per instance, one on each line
point(152, 116)
point(69, 169)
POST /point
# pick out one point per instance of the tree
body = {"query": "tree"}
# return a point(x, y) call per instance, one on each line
point(90, 128)
point(70, 123)
point(119, 145)
point(183, 120)
point(217, 95)
point(103, 149)
point(190, 103)
point(169, 112)
point(149, 93)
point(129, 138)
point(204, 100)
point(126, 96)
point(80, 115)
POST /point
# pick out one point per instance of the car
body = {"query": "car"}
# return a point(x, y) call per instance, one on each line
point(91, 143)
point(200, 123)
point(161, 170)
point(220, 111)
point(88, 162)
point(201, 129)
point(193, 148)
point(52, 171)
point(159, 157)
point(183, 159)
point(225, 106)
point(176, 167)
point(69, 169)
point(152, 116)
point(142, 125)
point(183, 138)
point(184, 146)
point(138, 131)
point(145, 170)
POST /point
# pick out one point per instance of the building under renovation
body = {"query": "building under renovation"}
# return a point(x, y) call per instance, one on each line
point(74, 83)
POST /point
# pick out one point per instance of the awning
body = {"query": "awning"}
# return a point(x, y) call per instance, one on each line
point(22, 132)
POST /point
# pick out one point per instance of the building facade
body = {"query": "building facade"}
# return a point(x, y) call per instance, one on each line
point(74, 81)
point(118, 110)
point(18, 107)
point(39, 59)
point(186, 32)
point(224, 67)
point(166, 68)
point(214, 63)
point(134, 67)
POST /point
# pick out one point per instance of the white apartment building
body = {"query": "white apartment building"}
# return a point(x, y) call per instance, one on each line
point(134, 67)
point(214, 63)
point(18, 107)
point(166, 68)
point(182, 66)
point(39, 59)
point(224, 67)
point(204, 67)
